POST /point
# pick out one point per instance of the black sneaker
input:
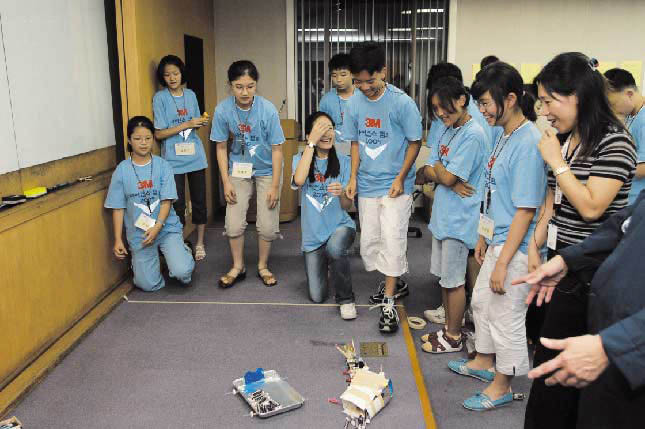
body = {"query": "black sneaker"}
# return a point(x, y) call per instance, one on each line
point(400, 292)
point(389, 321)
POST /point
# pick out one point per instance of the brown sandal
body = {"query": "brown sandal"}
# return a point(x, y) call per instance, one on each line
point(440, 342)
point(267, 277)
point(228, 280)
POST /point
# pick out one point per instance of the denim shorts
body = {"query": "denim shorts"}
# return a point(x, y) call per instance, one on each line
point(448, 261)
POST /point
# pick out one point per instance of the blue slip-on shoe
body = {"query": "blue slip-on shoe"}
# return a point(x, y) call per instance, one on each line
point(481, 402)
point(459, 366)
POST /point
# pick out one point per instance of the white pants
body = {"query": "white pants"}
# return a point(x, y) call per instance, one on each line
point(500, 319)
point(384, 233)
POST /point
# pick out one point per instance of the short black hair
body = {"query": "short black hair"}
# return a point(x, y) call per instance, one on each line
point(501, 79)
point(340, 62)
point(448, 90)
point(240, 68)
point(619, 79)
point(367, 56)
point(488, 60)
point(136, 122)
point(172, 60)
point(333, 164)
point(438, 71)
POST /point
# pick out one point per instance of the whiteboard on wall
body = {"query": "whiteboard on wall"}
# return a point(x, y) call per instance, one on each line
point(8, 150)
point(57, 77)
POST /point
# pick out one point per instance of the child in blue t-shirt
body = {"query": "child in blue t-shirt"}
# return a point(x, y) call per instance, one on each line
point(384, 126)
point(514, 188)
point(464, 189)
point(458, 156)
point(141, 193)
point(327, 230)
point(627, 101)
point(334, 103)
point(254, 161)
point(177, 118)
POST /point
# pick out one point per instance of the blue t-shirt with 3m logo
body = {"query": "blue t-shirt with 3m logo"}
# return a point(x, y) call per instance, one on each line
point(141, 189)
point(171, 111)
point(321, 213)
point(254, 132)
point(517, 180)
point(464, 152)
point(383, 128)
point(437, 129)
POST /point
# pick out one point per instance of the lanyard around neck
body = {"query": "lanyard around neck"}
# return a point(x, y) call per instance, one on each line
point(139, 179)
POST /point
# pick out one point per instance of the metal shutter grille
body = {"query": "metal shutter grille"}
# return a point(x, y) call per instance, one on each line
point(412, 32)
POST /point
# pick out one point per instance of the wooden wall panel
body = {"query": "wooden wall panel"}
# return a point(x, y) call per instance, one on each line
point(59, 265)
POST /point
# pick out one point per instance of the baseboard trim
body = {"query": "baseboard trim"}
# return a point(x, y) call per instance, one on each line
point(40, 367)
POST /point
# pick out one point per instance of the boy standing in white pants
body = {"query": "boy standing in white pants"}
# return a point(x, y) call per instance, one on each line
point(384, 126)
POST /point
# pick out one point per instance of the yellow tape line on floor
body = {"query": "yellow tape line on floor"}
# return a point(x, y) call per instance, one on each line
point(426, 407)
point(288, 304)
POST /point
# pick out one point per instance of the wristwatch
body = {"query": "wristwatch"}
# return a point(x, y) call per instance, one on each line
point(311, 144)
point(558, 171)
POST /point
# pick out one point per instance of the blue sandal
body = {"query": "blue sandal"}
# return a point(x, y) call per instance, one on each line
point(481, 402)
point(459, 366)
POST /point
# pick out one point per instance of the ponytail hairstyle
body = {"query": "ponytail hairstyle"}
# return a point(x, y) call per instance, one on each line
point(501, 79)
point(333, 165)
point(573, 73)
point(448, 90)
point(136, 122)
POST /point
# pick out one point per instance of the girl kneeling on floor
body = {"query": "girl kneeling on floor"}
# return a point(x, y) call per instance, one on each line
point(515, 184)
point(327, 230)
point(141, 194)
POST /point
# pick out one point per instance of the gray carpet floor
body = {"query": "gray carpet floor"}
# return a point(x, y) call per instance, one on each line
point(171, 365)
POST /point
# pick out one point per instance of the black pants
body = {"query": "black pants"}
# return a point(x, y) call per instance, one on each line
point(197, 185)
point(610, 403)
point(556, 407)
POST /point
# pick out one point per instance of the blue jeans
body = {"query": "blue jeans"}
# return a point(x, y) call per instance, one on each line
point(331, 257)
point(145, 262)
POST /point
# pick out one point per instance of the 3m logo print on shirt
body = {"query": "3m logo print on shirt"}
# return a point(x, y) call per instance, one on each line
point(372, 123)
point(244, 128)
point(145, 184)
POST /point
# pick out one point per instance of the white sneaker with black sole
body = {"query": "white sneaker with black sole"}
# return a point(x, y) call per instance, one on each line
point(401, 291)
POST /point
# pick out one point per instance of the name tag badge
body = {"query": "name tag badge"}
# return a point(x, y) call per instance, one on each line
point(551, 236)
point(486, 227)
point(557, 198)
point(183, 149)
point(243, 170)
point(144, 222)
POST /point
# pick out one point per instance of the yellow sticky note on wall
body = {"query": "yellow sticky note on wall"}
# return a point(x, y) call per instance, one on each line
point(635, 68)
point(529, 71)
point(476, 69)
point(603, 66)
